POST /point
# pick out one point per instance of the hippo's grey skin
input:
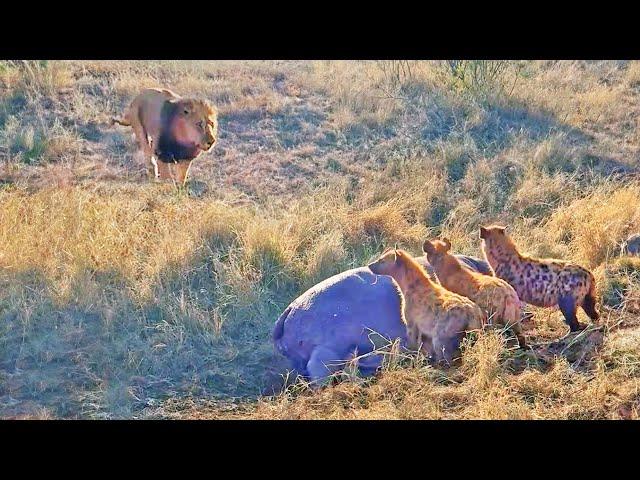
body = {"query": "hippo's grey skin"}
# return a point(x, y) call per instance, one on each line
point(472, 263)
point(322, 329)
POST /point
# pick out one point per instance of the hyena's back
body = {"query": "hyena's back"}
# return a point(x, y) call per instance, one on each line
point(545, 283)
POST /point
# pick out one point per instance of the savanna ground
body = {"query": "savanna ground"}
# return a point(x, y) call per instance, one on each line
point(123, 299)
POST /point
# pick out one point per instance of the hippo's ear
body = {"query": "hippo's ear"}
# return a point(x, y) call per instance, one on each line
point(447, 244)
point(483, 232)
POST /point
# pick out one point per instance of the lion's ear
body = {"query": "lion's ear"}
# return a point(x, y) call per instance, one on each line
point(427, 247)
point(186, 106)
point(447, 244)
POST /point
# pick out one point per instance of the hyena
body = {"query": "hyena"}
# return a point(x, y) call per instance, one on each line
point(541, 282)
point(492, 294)
point(437, 319)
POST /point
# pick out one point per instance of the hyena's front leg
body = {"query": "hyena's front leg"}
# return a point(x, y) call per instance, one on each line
point(446, 349)
point(426, 347)
point(516, 328)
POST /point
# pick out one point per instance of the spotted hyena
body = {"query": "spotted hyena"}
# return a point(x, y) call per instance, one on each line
point(490, 293)
point(436, 318)
point(541, 282)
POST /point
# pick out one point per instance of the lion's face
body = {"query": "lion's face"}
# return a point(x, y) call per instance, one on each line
point(196, 123)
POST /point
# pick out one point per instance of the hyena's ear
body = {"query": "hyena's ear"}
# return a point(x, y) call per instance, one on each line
point(483, 232)
point(427, 247)
point(447, 244)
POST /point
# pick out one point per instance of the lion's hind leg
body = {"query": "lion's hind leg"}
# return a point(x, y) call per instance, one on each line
point(146, 147)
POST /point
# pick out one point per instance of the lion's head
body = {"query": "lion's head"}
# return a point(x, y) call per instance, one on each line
point(189, 126)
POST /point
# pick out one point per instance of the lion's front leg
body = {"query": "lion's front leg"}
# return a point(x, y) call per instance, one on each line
point(182, 171)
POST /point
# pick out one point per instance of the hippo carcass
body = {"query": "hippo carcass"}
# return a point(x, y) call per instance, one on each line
point(631, 246)
point(345, 315)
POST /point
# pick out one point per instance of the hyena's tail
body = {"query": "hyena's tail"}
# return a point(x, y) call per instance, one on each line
point(589, 302)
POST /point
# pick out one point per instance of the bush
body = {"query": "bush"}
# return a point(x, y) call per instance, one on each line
point(480, 76)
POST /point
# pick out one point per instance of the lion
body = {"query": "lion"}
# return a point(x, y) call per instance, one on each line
point(171, 129)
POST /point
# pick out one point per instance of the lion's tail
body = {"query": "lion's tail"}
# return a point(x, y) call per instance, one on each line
point(123, 122)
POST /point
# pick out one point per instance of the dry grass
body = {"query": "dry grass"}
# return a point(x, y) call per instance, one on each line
point(355, 88)
point(595, 225)
point(123, 299)
point(485, 386)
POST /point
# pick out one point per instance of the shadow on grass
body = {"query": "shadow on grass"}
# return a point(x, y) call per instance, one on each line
point(103, 353)
point(579, 349)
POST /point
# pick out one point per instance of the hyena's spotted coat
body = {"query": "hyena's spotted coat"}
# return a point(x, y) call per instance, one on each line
point(490, 293)
point(541, 282)
point(436, 318)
